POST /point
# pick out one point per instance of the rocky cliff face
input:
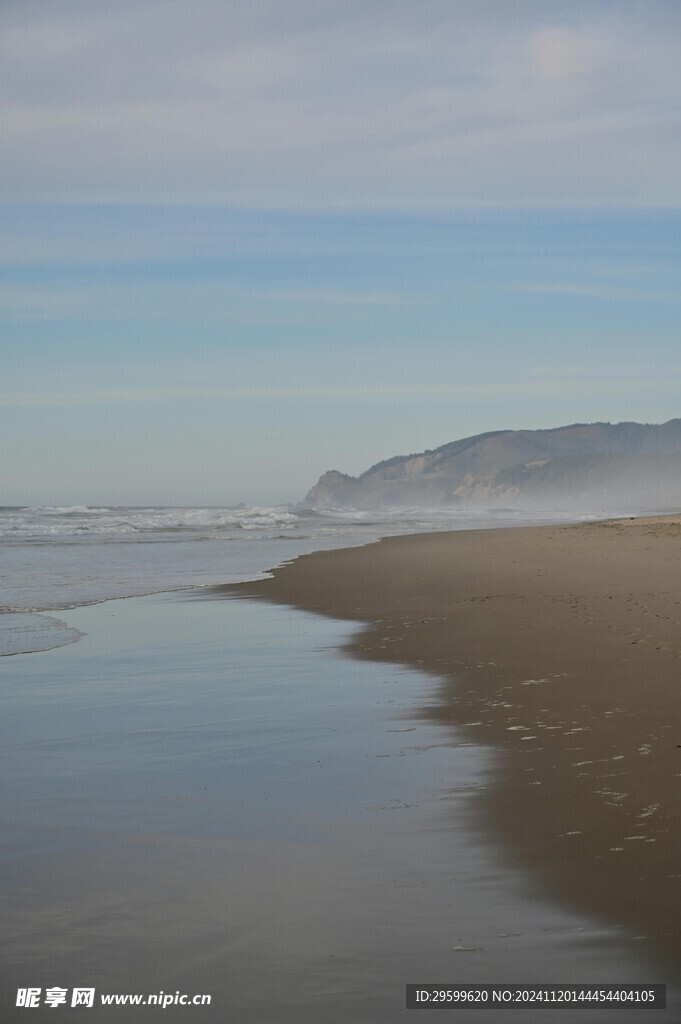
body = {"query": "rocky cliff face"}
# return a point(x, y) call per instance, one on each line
point(631, 464)
point(334, 489)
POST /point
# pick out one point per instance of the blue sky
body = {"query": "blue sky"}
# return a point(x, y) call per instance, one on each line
point(240, 246)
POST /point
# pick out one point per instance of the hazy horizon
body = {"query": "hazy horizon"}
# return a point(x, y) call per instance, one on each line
point(241, 246)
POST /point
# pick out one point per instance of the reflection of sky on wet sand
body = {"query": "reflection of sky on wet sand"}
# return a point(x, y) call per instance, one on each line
point(202, 796)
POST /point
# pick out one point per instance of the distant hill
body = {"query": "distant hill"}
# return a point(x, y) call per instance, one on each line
point(628, 465)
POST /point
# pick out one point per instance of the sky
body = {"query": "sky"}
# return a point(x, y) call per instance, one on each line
point(242, 244)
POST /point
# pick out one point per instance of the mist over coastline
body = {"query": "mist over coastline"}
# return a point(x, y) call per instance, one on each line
point(632, 466)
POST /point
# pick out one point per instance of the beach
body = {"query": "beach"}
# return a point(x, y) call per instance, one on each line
point(459, 769)
point(560, 647)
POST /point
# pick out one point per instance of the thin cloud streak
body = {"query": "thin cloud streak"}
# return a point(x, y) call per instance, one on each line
point(633, 373)
point(597, 292)
point(314, 393)
point(336, 297)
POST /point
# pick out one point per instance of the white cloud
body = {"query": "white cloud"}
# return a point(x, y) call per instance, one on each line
point(339, 102)
point(567, 52)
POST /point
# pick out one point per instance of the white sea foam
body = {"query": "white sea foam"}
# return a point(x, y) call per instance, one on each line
point(21, 633)
point(78, 520)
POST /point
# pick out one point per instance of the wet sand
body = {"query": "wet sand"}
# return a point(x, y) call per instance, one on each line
point(211, 797)
point(560, 647)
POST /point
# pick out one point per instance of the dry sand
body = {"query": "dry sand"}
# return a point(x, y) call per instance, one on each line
point(561, 646)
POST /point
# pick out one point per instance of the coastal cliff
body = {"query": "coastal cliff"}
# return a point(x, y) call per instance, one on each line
point(631, 464)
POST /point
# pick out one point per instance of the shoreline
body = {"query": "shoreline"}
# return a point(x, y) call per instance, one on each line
point(198, 566)
point(559, 646)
